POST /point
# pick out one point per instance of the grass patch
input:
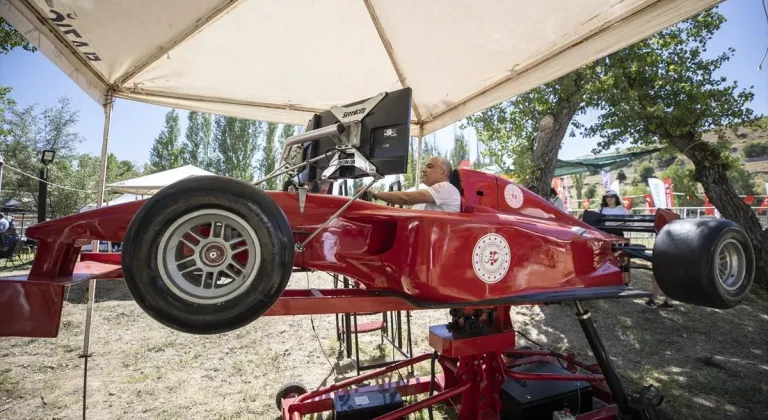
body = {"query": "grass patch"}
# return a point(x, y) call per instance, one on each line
point(9, 384)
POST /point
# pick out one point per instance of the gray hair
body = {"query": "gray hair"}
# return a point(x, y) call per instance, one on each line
point(445, 164)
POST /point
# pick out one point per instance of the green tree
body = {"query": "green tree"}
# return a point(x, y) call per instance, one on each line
point(29, 131)
point(286, 131)
point(578, 184)
point(755, 149)
point(460, 150)
point(197, 148)
point(237, 141)
point(683, 182)
point(665, 89)
point(166, 152)
point(644, 171)
point(269, 157)
point(743, 181)
point(526, 132)
point(10, 38)
point(591, 192)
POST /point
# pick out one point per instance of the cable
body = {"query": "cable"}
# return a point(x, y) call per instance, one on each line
point(312, 321)
point(760, 66)
point(47, 182)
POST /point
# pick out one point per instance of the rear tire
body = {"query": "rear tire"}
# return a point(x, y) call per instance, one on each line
point(208, 254)
point(704, 262)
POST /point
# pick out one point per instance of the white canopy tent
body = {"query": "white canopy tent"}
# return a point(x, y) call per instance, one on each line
point(282, 61)
point(152, 183)
point(122, 198)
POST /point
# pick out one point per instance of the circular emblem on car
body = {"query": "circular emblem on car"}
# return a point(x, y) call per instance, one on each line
point(491, 257)
point(513, 195)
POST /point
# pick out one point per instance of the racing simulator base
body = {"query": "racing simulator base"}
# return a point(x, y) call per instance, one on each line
point(484, 376)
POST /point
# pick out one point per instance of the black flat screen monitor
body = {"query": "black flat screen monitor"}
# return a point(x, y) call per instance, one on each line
point(384, 139)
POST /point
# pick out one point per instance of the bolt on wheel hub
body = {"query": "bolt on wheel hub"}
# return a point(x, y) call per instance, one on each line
point(213, 255)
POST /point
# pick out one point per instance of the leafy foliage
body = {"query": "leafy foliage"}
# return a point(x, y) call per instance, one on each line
point(644, 171)
point(269, 156)
point(743, 181)
point(664, 88)
point(30, 131)
point(755, 149)
point(198, 148)
point(509, 130)
point(591, 191)
point(237, 141)
point(460, 150)
point(683, 182)
point(10, 38)
point(578, 184)
point(166, 152)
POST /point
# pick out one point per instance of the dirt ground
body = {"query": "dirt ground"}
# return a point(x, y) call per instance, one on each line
point(710, 364)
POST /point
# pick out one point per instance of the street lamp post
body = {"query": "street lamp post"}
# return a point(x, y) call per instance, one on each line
point(42, 190)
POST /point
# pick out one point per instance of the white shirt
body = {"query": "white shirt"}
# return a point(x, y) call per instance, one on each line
point(558, 203)
point(618, 210)
point(447, 198)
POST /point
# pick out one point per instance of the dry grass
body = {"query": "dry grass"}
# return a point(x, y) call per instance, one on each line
point(710, 364)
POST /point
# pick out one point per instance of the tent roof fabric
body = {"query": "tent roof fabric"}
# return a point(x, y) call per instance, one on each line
point(282, 61)
point(150, 184)
point(594, 164)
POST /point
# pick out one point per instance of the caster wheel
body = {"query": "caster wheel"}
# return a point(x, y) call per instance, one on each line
point(289, 390)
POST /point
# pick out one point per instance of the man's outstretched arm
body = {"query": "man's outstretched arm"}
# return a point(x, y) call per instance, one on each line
point(405, 198)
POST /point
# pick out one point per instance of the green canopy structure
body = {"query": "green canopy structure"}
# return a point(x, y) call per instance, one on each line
point(594, 165)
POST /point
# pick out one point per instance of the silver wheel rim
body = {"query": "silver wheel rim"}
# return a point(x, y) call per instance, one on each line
point(204, 268)
point(731, 264)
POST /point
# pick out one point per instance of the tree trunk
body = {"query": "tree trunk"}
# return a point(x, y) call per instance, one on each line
point(712, 172)
point(552, 130)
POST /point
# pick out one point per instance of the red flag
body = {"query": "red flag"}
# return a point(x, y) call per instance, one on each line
point(709, 209)
point(763, 207)
point(749, 199)
point(627, 203)
point(670, 195)
point(465, 164)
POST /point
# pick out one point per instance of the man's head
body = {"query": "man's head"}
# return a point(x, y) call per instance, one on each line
point(436, 170)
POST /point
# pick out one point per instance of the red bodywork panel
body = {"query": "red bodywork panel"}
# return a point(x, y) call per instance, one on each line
point(404, 258)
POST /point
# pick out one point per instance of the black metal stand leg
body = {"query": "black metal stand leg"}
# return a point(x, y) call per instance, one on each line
point(601, 355)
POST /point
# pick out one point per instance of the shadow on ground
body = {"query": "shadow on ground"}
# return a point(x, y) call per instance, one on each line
point(710, 364)
point(106, 290)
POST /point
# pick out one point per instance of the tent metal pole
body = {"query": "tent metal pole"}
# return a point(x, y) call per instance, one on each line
point(109, 101)
point(418, 159)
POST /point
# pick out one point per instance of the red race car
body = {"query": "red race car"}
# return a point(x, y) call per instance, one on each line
point(210, 254)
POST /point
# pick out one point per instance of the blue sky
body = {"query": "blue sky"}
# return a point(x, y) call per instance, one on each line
point(135, 125)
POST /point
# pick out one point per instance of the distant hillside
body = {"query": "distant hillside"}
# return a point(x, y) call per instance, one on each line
point(753, 139)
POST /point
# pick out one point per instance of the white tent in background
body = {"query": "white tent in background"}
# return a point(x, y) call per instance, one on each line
point(123, 198)
point(150, 184)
